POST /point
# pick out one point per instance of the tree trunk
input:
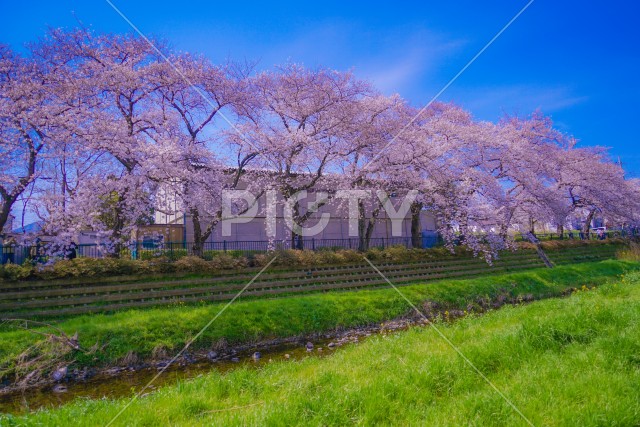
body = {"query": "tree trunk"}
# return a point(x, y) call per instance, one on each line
point(416, 231)
point(532, 226)
point(198, 241)
point(586, 228)
point(117, 231)
point(560, 230)
point(363, 241)
point(4, 213)
point(369, 231)
point(366, 226)
point(504, 227)
point(296, 239)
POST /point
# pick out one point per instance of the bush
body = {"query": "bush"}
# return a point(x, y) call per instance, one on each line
point(16, 272)
point(212, 254)
point(228, 262)
point(192, 264)
point(178, 260)
point(294, 258)
point(91, 267)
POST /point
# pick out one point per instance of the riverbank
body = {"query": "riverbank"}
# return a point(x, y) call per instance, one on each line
point(143, 337)
point(414, 377)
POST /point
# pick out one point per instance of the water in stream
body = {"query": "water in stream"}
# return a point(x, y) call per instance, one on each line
point(127, 383)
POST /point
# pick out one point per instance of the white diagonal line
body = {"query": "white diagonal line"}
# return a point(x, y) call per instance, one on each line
point(181, 74)
point(477, 55)
point(191, 341)
point(448, 341)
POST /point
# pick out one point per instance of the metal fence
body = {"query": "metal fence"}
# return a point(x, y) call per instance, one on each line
point(18, 254)
point(146, 250)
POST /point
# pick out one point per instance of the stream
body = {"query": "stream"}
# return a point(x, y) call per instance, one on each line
point(126, 382)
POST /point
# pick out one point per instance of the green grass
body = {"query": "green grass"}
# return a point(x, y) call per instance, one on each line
point(570, 361)
point(143, 331)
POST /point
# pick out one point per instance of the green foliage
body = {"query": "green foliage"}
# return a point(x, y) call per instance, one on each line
point(16, 272)
point(170, 254)
point(110, 211)
point(293, 257)
point(212, 254)
point(89, 267)
point(415, 377)
point(402, 254)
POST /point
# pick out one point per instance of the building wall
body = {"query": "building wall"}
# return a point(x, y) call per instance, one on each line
point(169, 211)
point(159, 232)
point(337, 227)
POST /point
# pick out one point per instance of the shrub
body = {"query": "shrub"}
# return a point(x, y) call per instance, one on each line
point(211, 254)
point(350, 255)
point(227, 262)
point(178, 260)
point(161, 264)
point(91, 267)
point(192, 264)
point(16, 272)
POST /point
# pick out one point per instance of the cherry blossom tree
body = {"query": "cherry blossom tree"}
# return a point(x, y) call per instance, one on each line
point(109, 80)
point(94, 126)
point(30, 120)
point(298, 126)
point(378, 120)
point(440, 154)
point(198, 94)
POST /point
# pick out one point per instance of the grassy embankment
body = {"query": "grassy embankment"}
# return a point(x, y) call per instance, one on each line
point(164, 330)
point(570, 361)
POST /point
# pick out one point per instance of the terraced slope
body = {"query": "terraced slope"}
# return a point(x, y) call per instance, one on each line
point(57, 298)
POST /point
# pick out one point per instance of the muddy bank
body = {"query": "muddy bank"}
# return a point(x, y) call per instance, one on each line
point(65, 384)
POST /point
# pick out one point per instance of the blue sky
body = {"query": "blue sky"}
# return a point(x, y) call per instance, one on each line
point(577, 61)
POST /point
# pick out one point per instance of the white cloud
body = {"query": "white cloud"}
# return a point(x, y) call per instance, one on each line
point(492, 101)
point(395, 60)
point(408, 61)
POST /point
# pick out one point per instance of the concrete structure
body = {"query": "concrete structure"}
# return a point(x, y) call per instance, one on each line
point(254, 229)
point(337, 225)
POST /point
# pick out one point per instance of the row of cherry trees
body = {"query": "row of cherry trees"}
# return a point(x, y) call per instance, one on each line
point(92, 126)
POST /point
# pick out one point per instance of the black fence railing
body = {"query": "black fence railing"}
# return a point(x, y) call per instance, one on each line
point(246, 247)
point(40, 253)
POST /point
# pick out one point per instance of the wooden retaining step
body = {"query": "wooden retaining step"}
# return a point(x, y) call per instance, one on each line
point(75, 297)
point(257, 293)
point(248, 274)
point(220, 289)
point(293, 277)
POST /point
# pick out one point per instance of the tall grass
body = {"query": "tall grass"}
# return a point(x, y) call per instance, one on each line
point(561, 362)
point(630, 252)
